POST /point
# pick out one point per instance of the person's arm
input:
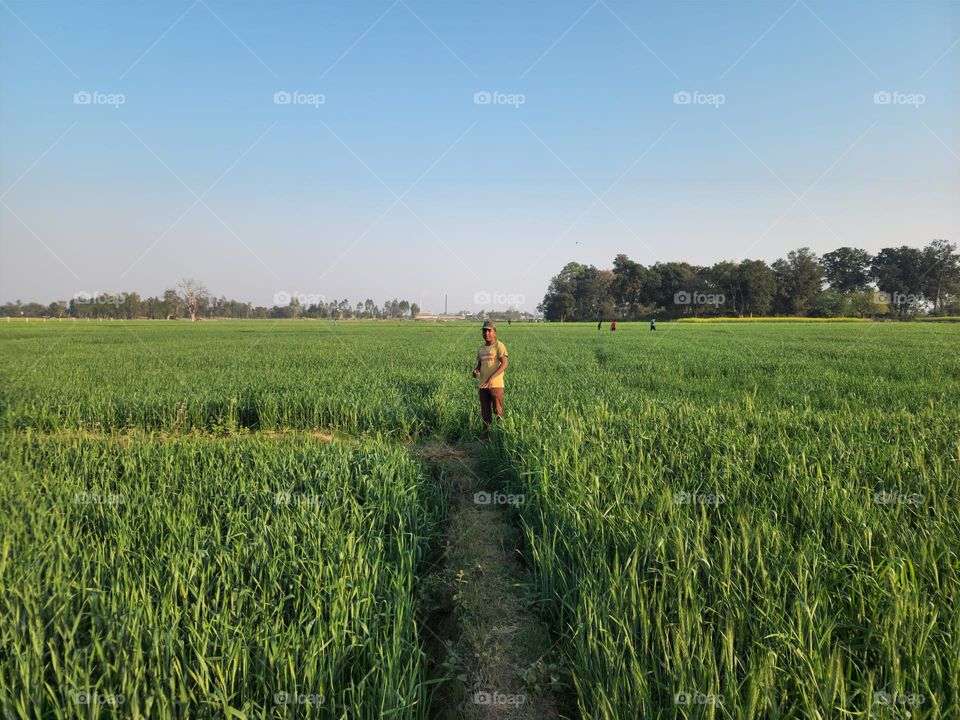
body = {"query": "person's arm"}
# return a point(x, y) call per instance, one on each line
point(476, 369)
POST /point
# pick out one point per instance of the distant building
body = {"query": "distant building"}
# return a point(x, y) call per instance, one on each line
point(433, 317)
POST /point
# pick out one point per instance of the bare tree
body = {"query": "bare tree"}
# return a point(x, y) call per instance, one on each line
point(192, 293)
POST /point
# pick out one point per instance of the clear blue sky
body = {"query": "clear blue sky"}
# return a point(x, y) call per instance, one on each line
point(495, 198)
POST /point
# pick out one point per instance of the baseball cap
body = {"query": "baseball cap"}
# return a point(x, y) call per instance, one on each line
point(489, 324)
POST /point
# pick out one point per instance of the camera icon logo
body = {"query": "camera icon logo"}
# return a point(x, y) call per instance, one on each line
point(482, 697)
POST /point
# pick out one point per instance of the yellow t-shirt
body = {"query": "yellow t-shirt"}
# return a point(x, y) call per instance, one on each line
point(489, 358)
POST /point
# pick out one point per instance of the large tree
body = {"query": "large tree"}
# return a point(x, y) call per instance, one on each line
point(587, 294)
point(799, 278)
point(634, 287)
point(847, 269)
point(940, 279)
point(603, 304)
point(899, 274)
point(677, 278)
point(559, 303)
point(193, 294)
point(724, 280)
point(170, 306)
point(758, 285)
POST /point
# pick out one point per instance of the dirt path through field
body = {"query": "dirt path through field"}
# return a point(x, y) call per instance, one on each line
point(486, 633)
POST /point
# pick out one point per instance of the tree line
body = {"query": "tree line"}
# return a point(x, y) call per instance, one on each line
point(900, 282)
point(191, 299)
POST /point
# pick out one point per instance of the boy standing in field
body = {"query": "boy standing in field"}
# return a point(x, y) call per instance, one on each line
point(491, 364)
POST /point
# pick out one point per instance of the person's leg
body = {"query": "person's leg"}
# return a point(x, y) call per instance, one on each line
point(496, 397)
point(485, 406)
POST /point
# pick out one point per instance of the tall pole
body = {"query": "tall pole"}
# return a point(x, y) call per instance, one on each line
point(444, 303)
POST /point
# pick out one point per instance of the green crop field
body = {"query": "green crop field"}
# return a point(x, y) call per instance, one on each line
point(721, 520)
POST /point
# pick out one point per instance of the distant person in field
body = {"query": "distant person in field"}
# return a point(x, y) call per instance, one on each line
point(599, 324)
point(613, 326)
point(653, 323)
point(491, 364)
